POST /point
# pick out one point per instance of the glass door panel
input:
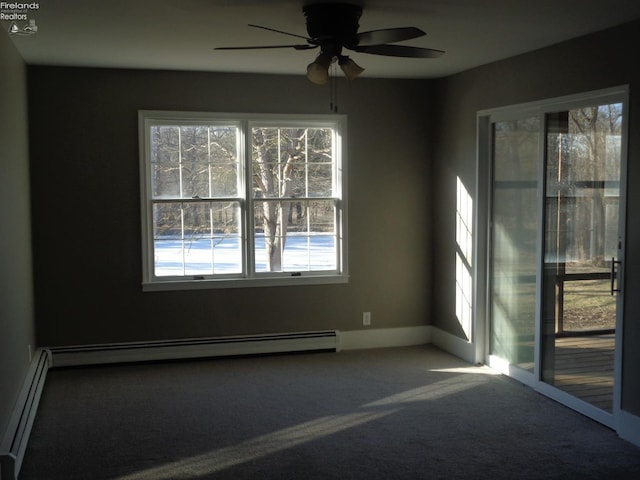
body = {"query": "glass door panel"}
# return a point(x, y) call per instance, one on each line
point(514, 232)
point(581, 241)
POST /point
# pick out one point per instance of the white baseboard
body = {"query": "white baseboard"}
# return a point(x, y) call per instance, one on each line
point(384, 337)
point(628, 427)
point(454, 345)
point(14, 443)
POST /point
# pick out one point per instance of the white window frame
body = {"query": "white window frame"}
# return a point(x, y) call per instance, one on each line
point(249, 277)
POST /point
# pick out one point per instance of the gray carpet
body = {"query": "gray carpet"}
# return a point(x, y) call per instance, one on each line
point(397, 413)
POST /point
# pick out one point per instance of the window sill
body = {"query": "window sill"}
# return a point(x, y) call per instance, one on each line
point(284, 281)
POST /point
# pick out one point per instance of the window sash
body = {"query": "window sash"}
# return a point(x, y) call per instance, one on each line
point(205, 227)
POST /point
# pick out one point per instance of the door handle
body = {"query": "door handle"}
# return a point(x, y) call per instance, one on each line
point(614, 262)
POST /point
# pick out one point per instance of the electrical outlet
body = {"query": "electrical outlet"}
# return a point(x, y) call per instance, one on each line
point(366, 318)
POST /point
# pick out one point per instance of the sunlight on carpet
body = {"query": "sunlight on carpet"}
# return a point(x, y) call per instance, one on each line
point(433, 391)
point(265, 445)
point(481, 369)
point(256, 448)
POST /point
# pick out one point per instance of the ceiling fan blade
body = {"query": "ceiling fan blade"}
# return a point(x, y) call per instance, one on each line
point(399, 51)
point(296, 47)
point(278, 31)
point(389, 35)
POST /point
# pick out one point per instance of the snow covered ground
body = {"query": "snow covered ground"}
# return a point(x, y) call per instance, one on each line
point(224, 255)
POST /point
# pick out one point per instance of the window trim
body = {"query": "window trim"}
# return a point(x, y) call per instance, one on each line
point(148, 118)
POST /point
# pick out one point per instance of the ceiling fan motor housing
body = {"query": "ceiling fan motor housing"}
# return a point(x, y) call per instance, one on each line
point(333, 25)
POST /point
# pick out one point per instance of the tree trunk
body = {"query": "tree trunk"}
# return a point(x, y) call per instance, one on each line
point(275, 213)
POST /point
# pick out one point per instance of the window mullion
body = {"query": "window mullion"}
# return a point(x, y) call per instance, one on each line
point(280, 192)
point(247, 207)
point(209, 166)
point(181, 194)
point(182, 238)
point(212, 242)
point(180, 188)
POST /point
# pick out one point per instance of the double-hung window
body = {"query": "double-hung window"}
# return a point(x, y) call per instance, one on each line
point(242, 200)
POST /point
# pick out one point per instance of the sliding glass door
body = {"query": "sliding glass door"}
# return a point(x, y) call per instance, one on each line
point(581, 241)
point(514, 232)
point(555, 246)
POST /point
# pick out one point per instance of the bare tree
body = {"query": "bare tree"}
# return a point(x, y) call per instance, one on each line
point(273, 177)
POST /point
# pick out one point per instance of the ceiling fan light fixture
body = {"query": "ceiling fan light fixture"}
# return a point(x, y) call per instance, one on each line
point(350, 68)
point(318, 70)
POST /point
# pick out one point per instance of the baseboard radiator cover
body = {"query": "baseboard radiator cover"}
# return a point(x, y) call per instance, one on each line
point(323, 340)
point(14, 443)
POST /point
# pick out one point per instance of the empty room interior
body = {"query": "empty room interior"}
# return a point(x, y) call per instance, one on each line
point(264, 190)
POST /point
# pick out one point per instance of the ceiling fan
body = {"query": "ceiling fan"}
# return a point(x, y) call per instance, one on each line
point(333, 27)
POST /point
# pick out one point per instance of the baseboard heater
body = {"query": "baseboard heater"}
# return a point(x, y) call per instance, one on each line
point(14, 443)
point(325, 340)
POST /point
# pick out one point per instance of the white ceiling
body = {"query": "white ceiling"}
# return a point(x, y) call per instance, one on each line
point(182, 34)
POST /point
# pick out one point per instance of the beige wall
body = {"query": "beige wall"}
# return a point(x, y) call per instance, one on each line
point(84, 161)
point(16, 300)
point(598, 61)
